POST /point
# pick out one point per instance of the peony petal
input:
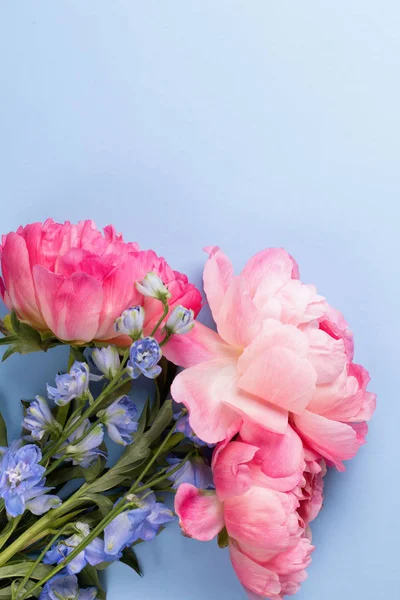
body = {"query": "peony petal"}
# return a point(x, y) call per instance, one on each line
point(199, 345)
point(64, 302)
point(267, 271)
point(255, 577)
point(279, 376)
point(200, 513)
point(238, 320)
point(18, 281)
point(203, 389)
point(333, 440)
point(258, 411)
point(281, 457)
point(218, 272)
point(326, 354)
point(231, 474)
point(260, 518)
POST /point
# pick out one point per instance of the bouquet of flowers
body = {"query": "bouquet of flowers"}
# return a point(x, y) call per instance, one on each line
point(242, 436)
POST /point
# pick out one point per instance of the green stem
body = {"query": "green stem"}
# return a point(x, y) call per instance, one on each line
point(93, 534)
point(40, 557)
point(9, 530)
point(163, 475)
point(55, 464)
point(88, 413)
point(161, 319)
point(153, 460)
point(39, 529)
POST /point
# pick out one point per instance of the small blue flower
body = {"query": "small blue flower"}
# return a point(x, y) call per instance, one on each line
point(120, 420)
point(39, 420)
point(194, 471)
point(153, 287)
point(142, 523)
point(74, 384)
point(144, 356)
point(106, 360)
point(131, 322)
point(93, 554)
point(22, 481)
point(65, 587)
point(82, 446)
point(183, 426)
point(180, 321)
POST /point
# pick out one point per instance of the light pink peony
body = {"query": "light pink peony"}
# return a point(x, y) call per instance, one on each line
point(268, 540)
point(75, 281)
point(281, 355)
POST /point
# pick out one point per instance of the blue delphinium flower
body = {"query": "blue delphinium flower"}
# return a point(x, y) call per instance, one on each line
point(22, 482)
point(120, 420)
point(142, 523)
point(65, 587)
point(180, 321)
point(143, 359)
point(194, 471)
point(106, 360)
point(74, 384)
point(183, 426)
point(82, 446)
point(39, 420)
point(93, 554)
point(131, 322)
point(153, 287)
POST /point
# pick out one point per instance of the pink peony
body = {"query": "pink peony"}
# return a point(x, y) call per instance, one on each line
point(268, 539)
point(281, 355)
point(75, 281)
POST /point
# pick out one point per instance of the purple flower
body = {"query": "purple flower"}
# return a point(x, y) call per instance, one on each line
point(142, 523)
point(144, 356)
point(181, 320)
point(39, 420)
point(194, 471)
point(65, 587)
point(107, 361)
point(74, 384)
point(131, 322)
point(82, 446)
point(120, 420)
point(22, 481)
point(93, 554)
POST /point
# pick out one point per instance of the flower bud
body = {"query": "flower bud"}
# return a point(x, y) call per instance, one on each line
point(144, 356)
point(153, 287)
point(74, 384)
point(181, 320)
point(107, 360)
point(131, 322)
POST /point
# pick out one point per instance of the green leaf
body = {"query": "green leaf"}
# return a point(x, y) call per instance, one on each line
point(105, 504)
point(89, 577)
point(75, 353)
point(129, 558)
point(161, 422)
point(122, 390)
point(10, 350)
point(8, 340)
point(223, 538)
point(21, 569)
point(3, 431)
point(173, 441)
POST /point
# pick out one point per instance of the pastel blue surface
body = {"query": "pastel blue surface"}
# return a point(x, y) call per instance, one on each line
point(245, 124)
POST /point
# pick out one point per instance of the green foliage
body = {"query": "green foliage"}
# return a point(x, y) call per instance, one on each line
point(23, 338)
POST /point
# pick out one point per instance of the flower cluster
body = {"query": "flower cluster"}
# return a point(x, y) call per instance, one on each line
point(270, 400)
point(22, 481)
point(278, 389)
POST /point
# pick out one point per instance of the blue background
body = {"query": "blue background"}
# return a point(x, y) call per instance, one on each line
point(245, 124)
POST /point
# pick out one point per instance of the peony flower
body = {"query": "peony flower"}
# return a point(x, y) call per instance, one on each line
point(74, 281)
point(281, 355)
point(268, 540)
